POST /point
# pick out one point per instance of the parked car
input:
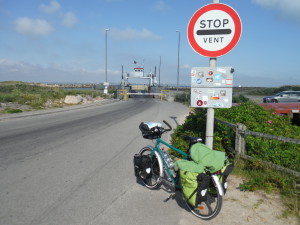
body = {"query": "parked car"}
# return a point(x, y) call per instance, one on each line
point(285, 96)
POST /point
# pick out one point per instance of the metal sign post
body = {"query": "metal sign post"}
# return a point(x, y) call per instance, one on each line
point(210, 116)
point(213, 31)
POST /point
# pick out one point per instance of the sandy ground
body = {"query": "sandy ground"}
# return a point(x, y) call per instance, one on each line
point(252, 207)
point(249, 208)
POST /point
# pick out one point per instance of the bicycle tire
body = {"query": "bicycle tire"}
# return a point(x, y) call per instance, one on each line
point(211, 207)
point(154, 181)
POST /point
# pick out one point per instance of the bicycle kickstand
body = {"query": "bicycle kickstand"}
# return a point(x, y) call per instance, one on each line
point(171, 196)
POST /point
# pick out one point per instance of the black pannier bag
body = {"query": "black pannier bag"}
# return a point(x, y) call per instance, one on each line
point(150, 132)
point(142, 166)
point(203, 185)
point(194, 186)
point(228, 168)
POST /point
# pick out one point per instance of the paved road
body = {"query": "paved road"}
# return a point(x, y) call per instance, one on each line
point(75, 167)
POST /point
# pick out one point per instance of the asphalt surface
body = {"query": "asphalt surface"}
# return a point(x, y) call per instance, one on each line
point(75, 167)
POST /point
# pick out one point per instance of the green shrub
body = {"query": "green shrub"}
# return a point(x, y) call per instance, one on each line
point(240, 99)
point(36, 96)
point(256, 118)
point(260, 120)
point(13, 110)
point(183, 98)
point(272, 91)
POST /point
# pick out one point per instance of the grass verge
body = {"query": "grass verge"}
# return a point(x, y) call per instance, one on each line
point(36, 96)
point(271, 181)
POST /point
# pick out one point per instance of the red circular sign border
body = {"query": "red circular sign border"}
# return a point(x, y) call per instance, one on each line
point(235, 39)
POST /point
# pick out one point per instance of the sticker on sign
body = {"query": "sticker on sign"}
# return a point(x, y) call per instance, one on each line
point(214, 30)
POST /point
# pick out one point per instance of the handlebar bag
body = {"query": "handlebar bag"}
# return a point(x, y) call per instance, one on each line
point(151, 130)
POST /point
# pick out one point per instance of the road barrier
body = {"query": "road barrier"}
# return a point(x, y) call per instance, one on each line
point(123, 94)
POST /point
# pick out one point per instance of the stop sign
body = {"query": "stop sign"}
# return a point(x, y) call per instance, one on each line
point(214, 30)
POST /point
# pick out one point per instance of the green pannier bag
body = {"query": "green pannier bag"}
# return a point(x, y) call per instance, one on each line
point(193, 180)
point(194, 186)
point(212, 160)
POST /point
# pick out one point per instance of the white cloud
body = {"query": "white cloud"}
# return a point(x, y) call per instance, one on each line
point(132, 34)
point(185, 66)
point(51, 8)
point(33, 27)
point(287, 8)
point(161, 6)
point(53, 72)
point(69, 19)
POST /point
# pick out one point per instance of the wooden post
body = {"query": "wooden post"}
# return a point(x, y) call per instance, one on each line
point(240, 137)
point(243, 139)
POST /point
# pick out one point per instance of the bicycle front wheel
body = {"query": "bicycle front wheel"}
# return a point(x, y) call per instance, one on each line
point(210, 208)
point(154, 180)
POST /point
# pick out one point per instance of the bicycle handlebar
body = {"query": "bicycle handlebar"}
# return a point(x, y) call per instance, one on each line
point(170, 128)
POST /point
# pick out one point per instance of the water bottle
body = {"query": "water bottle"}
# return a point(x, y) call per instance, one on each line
point(168, 160)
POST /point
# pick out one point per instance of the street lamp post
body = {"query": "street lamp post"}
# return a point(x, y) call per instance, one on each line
point(106, 54)
point(178, 58)
point(105, 85)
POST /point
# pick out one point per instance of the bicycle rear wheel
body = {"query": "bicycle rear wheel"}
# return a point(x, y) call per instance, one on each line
point(153, 181)
point(211, 207)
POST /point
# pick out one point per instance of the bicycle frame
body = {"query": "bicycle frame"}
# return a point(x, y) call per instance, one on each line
point(159, 150)
point(209, 192)
point(185, 156)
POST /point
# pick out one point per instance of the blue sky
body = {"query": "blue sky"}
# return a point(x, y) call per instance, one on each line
point(64, 40)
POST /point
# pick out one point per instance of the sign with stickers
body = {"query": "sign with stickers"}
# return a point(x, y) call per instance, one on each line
point(211, 87)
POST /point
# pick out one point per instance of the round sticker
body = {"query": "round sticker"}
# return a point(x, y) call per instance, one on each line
point(199, 103)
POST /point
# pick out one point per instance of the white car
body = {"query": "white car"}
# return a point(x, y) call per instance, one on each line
point(285, 96)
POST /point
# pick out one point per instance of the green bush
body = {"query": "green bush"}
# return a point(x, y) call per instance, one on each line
point(36, 96)
point(240, 99)
point(183, 98)
point(13, 110)
point(272, 91)
point(258, 175)
point(256, 119)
